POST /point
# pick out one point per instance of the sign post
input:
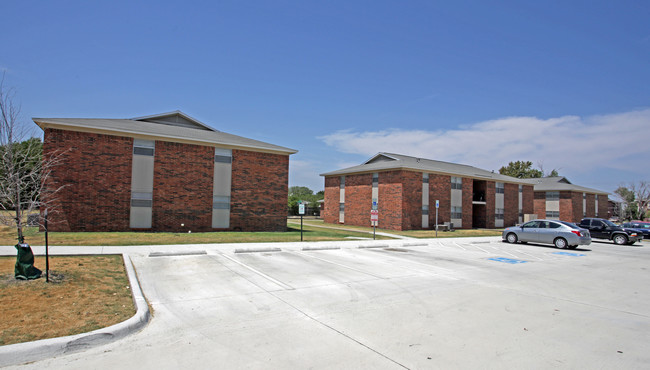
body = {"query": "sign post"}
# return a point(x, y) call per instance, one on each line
point(47, 252)
point(374, 219)
point(301, 212)
point(437, 206)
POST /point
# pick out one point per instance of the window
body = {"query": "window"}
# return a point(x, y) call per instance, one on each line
point(220, 202)
point(500, 188)
point(342, 182)
point(375, 180)
point(456, 183)
point(425, 210)
point(144, 147)
point(222, 155)
point(553, 225)
point(552, 195)
point(425, 178)
point(499, 214)
point(341, 207)
point(552, 214)
point(141, 199)
point(457, 212)
point(521, 188)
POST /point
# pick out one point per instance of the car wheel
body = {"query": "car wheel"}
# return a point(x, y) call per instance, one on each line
point(560, 243)
point(511, 238)
point(620, 239)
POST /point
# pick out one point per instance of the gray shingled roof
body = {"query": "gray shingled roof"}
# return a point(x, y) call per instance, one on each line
point(201, 134)
point(560, 183)
point(390, 161)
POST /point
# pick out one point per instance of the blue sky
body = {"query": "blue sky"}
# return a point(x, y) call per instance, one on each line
point(564, 84)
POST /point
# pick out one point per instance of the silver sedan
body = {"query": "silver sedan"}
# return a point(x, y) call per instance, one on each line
point(559, 233)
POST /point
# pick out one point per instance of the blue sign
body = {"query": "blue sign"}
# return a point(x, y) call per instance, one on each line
point(437, 204)
point(507, 260)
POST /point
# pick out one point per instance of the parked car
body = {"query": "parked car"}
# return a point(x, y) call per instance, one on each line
point(605, 229)
point(559, 233)
point(640, 226)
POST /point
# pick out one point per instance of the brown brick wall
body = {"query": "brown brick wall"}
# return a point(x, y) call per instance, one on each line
point(566, 206)
point(96, 172)
point(260, 183)
point(439, 189)
point(390, 200)
point(591, 205)
point(540, 204)
point(511, 204)
point(603, 201)
point(468, 208)
point(331, 204)
point(358, 199)
point(527, 199)
point(576, 207)
point(490, 206)
point(412, 200)
point(182, 187)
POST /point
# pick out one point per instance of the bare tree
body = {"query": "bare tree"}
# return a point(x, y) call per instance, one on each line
point(637, 199)
point(23, 171)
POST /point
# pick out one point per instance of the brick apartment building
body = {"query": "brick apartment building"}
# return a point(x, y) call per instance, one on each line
point(557, 198)
point(165, 172)
point(405, 189)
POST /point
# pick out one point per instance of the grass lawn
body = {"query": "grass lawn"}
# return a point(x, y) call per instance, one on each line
point(310, 233)
point(85, 293)
point(459, 233)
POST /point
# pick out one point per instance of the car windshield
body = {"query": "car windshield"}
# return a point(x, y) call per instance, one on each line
point(609, 223)
point(573, 226)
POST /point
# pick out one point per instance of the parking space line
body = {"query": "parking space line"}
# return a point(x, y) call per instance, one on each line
point(459, 246)
point(530, 255)
point(275, 281)
point(339, 264)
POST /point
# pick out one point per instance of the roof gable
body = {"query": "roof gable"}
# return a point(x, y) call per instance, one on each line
point(175, 118)
point(380, 157)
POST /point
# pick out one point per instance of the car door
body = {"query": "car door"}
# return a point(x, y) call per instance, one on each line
point(598, 229)
point(546, 232)
point(529, 231)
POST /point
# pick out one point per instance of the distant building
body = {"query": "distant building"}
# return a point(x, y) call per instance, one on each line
point(405, 191)
point(165, 172)
point(557, 198)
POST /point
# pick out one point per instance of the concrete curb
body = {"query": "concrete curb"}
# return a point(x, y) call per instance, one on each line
point(20, 353)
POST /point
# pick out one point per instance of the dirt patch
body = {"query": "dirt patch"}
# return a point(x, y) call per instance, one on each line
point(85, 293)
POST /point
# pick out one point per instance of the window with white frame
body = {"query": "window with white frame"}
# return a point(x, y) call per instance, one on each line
point(498, 214)
point(500, 187)
point(457, 183)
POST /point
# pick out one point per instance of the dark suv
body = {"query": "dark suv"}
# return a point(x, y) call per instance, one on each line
point(599, 228)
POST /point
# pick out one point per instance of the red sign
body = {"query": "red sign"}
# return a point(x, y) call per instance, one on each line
point(374, 215)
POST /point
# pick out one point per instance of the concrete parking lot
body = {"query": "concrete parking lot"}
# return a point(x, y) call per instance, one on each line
point(452, 303)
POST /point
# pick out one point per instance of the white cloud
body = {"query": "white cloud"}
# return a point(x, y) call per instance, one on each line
point(304, 173)
point(571, 143)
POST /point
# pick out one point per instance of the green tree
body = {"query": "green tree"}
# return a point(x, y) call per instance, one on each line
point(521, 170)
point(303, 194)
